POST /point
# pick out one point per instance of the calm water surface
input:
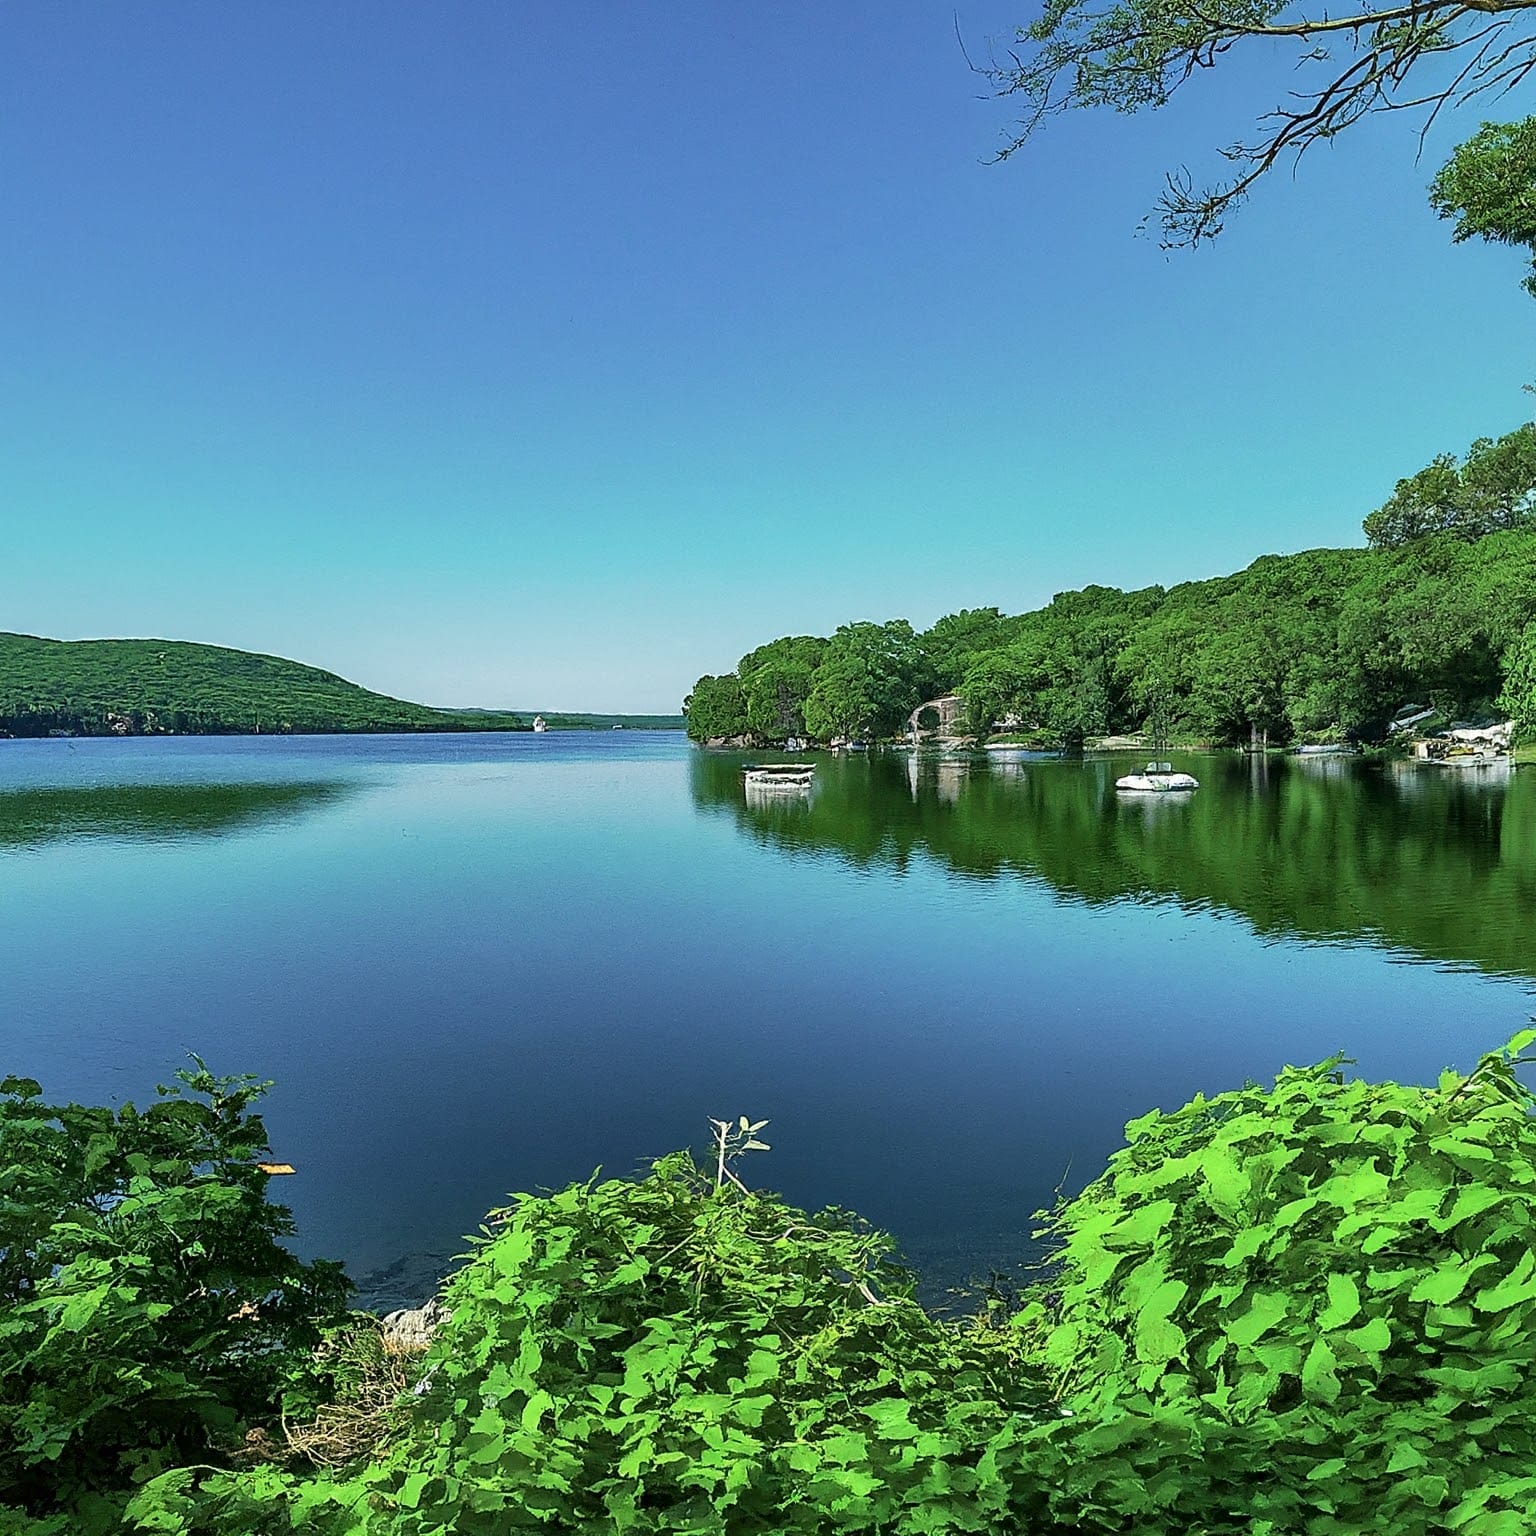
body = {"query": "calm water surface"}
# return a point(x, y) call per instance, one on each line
point(475, 964)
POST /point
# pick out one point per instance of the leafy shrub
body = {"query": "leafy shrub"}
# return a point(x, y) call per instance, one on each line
point(1311, 1307)
point(1308, 1310)
point(148, 1313)
point(670, 1355)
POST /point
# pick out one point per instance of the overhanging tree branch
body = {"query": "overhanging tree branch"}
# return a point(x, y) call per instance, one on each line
point(1135, 54)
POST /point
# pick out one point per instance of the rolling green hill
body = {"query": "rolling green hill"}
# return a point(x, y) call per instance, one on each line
point(153, 687)
point(146, 687)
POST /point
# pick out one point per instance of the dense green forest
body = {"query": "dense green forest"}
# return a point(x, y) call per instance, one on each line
point(1305, 1308)
point(1330, 642)
point(153, 687)
point(1440, 611)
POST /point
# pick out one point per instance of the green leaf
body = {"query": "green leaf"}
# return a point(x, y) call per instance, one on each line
point(1142, 1226)
point(1405, 1458)
point(1517, 1286)
point(1373, 1338)
point(1319, 1381)
point(411, 1489)
point(1444, 1284)
point(1159, 1340)
point(1471, 1201)
point(1498, 1522)
point(1360, 1186)
point(1264, 1311)
point(538, 1404)
point(1522, 1041)
point(80, 1309)
point(1228, 1183)
point(1343, 1302)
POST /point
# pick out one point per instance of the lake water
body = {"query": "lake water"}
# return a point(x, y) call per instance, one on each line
point(478, 964)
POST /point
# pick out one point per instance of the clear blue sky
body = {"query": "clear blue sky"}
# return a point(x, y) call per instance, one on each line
point(551, 354)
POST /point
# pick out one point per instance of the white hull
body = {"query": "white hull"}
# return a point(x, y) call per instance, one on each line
point(1471, 760)
point(1157, 784)
point(779, 776)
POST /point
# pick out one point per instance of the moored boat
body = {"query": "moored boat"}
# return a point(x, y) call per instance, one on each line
point(779, 775)
point(1159, 779)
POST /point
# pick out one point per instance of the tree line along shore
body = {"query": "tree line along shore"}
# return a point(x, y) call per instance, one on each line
point(177, 687)
point(1324, 645)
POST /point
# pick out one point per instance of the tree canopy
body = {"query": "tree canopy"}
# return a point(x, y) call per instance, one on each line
point(1423, 56)
point(1489, 187)
point(1324, 643)
point(149, 687)
point(1494, 487)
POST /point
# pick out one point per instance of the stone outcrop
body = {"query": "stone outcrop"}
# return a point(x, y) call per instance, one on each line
point(411, 1329)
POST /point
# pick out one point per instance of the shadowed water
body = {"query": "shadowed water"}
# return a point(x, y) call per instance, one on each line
point(477, 964)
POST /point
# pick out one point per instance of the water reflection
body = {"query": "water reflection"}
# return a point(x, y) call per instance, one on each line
point(1437, 862)
point(30, 818)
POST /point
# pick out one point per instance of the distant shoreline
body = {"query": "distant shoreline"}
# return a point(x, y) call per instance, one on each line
point(94, 688)
point(598, 727)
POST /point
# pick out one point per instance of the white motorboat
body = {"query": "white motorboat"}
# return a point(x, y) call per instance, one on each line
point(1159, 779)
point(779, 775)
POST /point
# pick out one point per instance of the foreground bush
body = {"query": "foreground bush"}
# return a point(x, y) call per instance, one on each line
point(148, 1313)
point(1307, 1310)
point(674, 1355)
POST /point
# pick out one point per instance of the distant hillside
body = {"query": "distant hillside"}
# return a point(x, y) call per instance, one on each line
point(150, 687)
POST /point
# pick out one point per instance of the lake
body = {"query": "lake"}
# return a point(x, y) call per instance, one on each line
point(486, 963)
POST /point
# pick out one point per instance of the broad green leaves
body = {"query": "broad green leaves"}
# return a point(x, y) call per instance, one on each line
point(1373, 1316)
point(1304, 1310)
point(148, 1312)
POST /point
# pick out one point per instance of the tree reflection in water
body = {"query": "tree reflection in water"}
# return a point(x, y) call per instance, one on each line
point(1439, 863)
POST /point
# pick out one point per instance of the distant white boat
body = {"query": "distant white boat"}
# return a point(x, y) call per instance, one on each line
point(1326, 749)
point(1159, 779)
point(540, 723)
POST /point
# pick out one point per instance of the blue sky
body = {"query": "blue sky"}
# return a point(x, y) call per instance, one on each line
point(550, 354)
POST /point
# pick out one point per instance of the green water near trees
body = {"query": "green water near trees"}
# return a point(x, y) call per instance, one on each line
point(474, 964)
point(1439, 863)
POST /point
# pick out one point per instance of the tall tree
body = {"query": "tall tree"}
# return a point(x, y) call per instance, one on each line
point(716, 709)
point(958, 637)
point(873, 676)
point(775, 680)
point(1493, 488)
